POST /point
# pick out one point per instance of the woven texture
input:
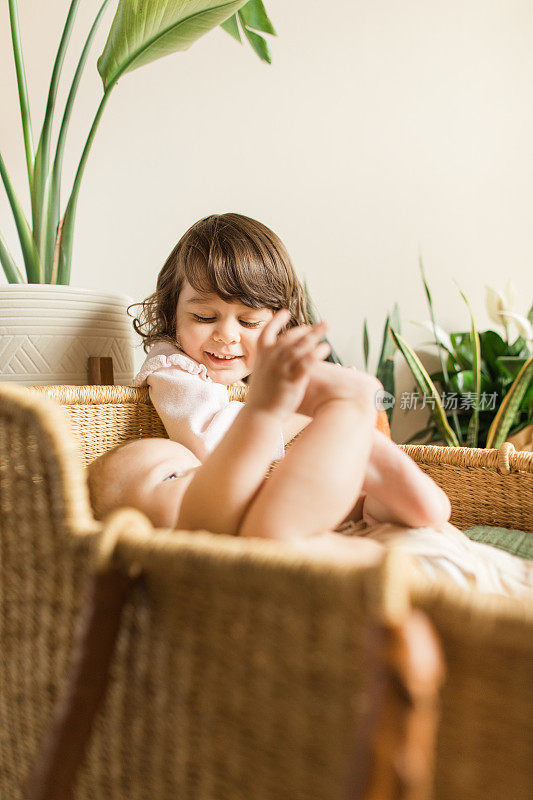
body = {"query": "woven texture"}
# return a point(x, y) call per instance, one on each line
point(239, 669)
point(485, 747)
point(485, 487)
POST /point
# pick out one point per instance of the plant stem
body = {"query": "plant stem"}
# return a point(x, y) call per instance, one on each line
point(42, 158)
point(11, 270)
point(53, 213)
point(22, 89)
point(29, 251)
point(61, 268)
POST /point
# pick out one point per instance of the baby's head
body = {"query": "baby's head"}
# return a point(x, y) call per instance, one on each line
point(222, 282)
point(150, 475)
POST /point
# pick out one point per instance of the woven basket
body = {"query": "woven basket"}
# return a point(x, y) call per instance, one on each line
point(239, 671)
point(485, 487)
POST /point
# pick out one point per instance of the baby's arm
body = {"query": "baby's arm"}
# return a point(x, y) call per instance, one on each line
point(226, 483)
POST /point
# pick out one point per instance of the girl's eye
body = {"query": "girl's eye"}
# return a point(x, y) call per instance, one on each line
point(198, 318)
point(249, 324)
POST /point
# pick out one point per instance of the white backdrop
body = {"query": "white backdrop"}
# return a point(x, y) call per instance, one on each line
point(381, 130)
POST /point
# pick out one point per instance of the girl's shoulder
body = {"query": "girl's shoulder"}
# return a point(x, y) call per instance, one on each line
point(164, 355)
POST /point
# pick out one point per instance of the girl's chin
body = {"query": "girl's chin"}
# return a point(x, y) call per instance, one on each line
point(225, 376)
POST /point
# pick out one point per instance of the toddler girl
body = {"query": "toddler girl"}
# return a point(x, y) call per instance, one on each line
point(221, 285)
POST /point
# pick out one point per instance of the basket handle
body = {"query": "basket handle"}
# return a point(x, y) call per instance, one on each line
point(63, 749)
point(394, 752)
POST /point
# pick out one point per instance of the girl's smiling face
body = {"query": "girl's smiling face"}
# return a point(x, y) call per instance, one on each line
point(221, 335)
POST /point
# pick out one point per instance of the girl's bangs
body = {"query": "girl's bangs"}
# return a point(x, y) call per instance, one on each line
point(246, 281)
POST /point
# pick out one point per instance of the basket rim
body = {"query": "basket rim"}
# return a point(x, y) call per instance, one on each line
point(505, 460)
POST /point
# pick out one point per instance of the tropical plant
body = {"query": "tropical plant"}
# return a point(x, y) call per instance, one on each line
point(483, 391)
point(142, 31)
point(385, 365)
point(313, 318)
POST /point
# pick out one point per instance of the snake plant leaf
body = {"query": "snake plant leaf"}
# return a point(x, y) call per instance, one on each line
point(427, 387)
point(385, 375)
point(231, 26)
point(441, 337)
point(11, 270)
point(388, 348)
point(503, 421)
point(442, 340)
point(473, 427)
point(145, 30)
point(366, 342)
point(313, 319)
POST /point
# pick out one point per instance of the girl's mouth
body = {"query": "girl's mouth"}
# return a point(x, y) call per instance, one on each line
point(224, 361)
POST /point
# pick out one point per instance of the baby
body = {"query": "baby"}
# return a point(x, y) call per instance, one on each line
point(316, 486)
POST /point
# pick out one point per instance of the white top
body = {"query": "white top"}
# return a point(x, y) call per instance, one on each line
point(195, 411)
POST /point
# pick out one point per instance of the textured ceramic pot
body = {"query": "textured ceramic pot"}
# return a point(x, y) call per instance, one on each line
point(47, 334)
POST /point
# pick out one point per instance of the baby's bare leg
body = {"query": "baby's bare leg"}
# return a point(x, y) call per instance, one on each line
point(314, 486)
point(398, 491)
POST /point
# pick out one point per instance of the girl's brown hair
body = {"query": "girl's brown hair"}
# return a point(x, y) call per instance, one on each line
point(232, 255)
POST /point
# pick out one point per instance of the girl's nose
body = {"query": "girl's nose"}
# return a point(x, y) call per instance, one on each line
point(227, 331)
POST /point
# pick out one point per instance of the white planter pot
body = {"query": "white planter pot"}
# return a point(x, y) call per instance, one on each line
point(47, 334)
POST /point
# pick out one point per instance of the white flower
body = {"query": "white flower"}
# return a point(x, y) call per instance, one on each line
point(501, 309)
point(439, 333)
point(524, 326)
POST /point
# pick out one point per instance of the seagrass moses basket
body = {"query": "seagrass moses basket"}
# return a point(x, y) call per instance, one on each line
point(239, 669)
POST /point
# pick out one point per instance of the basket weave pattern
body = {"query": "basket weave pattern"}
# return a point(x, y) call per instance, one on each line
point(238, 672)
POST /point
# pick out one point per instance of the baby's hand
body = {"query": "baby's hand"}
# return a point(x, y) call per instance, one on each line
point(284, 363)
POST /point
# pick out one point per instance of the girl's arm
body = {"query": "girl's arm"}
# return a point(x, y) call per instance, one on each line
point(225, 484)
point(229, 479)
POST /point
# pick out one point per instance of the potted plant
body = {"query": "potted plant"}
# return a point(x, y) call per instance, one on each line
point(47, 327)
point(483, 392)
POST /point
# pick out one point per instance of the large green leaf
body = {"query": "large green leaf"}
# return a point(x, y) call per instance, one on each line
point(504, 419)
point(511, 364)
point(253, 14)
point(145, 30)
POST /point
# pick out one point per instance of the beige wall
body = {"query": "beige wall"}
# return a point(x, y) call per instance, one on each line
point(381, 129)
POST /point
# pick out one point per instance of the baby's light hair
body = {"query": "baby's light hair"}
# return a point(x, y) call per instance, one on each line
point(235, 256)
point(104, 493)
